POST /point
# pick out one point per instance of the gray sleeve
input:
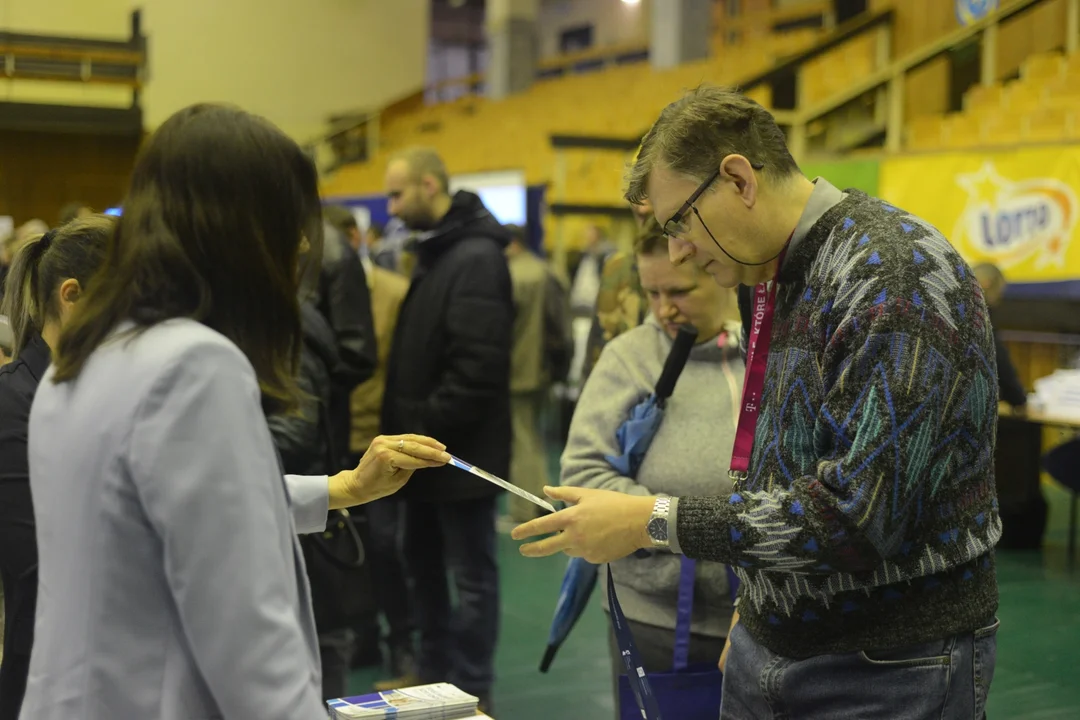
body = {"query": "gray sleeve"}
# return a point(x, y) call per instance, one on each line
point(605, 402)
point(205, 470)
point(310, 496)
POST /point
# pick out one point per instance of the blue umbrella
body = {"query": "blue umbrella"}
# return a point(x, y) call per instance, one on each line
point(634, 437)
point(577, 586)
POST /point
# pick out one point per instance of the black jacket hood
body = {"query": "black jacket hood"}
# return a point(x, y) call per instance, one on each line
point(467, 218)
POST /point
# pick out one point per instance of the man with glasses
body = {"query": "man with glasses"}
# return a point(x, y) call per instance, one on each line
point(864, 518)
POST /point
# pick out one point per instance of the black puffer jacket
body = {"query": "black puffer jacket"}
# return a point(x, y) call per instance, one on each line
point(344, 300)
point(302, 439)
point(448, 374)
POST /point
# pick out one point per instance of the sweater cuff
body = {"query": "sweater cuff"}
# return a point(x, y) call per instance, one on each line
point(673, 527)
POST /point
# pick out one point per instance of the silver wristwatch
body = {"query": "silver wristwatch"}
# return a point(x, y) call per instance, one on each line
point(658, 523)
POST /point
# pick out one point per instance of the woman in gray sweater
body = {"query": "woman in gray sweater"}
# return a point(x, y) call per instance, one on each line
point(701, 413)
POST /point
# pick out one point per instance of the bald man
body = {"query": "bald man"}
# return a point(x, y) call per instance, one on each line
point(449, 372)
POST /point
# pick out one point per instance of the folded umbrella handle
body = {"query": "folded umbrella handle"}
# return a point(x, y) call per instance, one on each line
point(676, 361)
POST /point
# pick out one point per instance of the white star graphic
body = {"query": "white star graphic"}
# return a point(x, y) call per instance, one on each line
point(983, 186)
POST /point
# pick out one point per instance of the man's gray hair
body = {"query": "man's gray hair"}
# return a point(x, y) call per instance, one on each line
point(695, 133)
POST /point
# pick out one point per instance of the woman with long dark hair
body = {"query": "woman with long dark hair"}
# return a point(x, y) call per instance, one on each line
point(171, 581)
point(47, 277)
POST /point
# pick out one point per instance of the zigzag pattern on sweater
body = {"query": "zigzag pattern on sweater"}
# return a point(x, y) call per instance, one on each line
point(871, 428)
point(782, 591)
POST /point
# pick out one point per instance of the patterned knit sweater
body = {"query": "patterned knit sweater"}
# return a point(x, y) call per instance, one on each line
point(869, 516)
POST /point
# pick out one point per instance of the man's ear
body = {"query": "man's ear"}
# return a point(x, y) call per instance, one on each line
point(430, 185)
point(737, 169)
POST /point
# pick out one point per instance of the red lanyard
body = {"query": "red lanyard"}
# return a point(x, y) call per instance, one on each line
point(757, 358)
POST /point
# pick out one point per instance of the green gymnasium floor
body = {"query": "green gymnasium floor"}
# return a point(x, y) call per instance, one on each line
point(1038, 668)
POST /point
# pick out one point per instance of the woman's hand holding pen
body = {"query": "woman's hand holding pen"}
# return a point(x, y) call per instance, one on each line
point(385, 468)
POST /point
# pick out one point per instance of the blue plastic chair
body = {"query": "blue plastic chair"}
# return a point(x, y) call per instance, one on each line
point(1063, 464)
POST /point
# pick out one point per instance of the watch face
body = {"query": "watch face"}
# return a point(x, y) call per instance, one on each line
point(658, 529)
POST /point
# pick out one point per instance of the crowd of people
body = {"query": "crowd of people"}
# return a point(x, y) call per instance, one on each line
point(462, 348)
point(828, 449)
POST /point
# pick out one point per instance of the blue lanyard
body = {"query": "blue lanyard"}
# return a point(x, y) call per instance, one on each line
point(635, 670)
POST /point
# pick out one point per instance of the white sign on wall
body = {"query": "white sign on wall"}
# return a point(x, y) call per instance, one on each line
point(503, 193)
point(362, 215)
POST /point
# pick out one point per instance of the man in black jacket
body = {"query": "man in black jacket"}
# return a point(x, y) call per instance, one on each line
point(338, 289)
point(448, 376)
point(342, 298)
point(303, 442)
point(384, 542)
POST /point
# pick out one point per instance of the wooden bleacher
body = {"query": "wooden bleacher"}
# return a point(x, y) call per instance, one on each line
point(1042, 105)
point(475, 134)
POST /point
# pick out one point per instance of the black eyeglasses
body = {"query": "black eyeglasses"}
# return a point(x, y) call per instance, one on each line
point(674, 227)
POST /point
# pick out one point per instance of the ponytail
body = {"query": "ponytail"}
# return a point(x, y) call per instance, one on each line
point(19, 293)
point(41, 265)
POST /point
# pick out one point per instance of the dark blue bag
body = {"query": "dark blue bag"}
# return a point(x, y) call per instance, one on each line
point(687, 692)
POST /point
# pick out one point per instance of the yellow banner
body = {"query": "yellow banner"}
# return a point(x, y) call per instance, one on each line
point(1017, 209)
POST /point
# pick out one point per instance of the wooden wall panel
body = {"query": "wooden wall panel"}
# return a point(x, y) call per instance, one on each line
point(1039, 30)
point(41, 172)
point(921, 21)
point(927, 89)
point(918, 22)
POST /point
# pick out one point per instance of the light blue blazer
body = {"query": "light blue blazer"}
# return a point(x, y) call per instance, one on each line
point(171, 581)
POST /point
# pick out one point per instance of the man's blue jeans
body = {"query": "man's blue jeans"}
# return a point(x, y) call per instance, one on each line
point(946, 680)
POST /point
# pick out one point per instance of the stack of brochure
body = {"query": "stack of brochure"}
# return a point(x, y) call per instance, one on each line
point(1058, 395)
point(441, 701)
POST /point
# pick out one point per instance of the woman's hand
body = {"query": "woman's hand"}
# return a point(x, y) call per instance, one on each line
point(386, 466)
point(600, 525)
point(727, 641)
